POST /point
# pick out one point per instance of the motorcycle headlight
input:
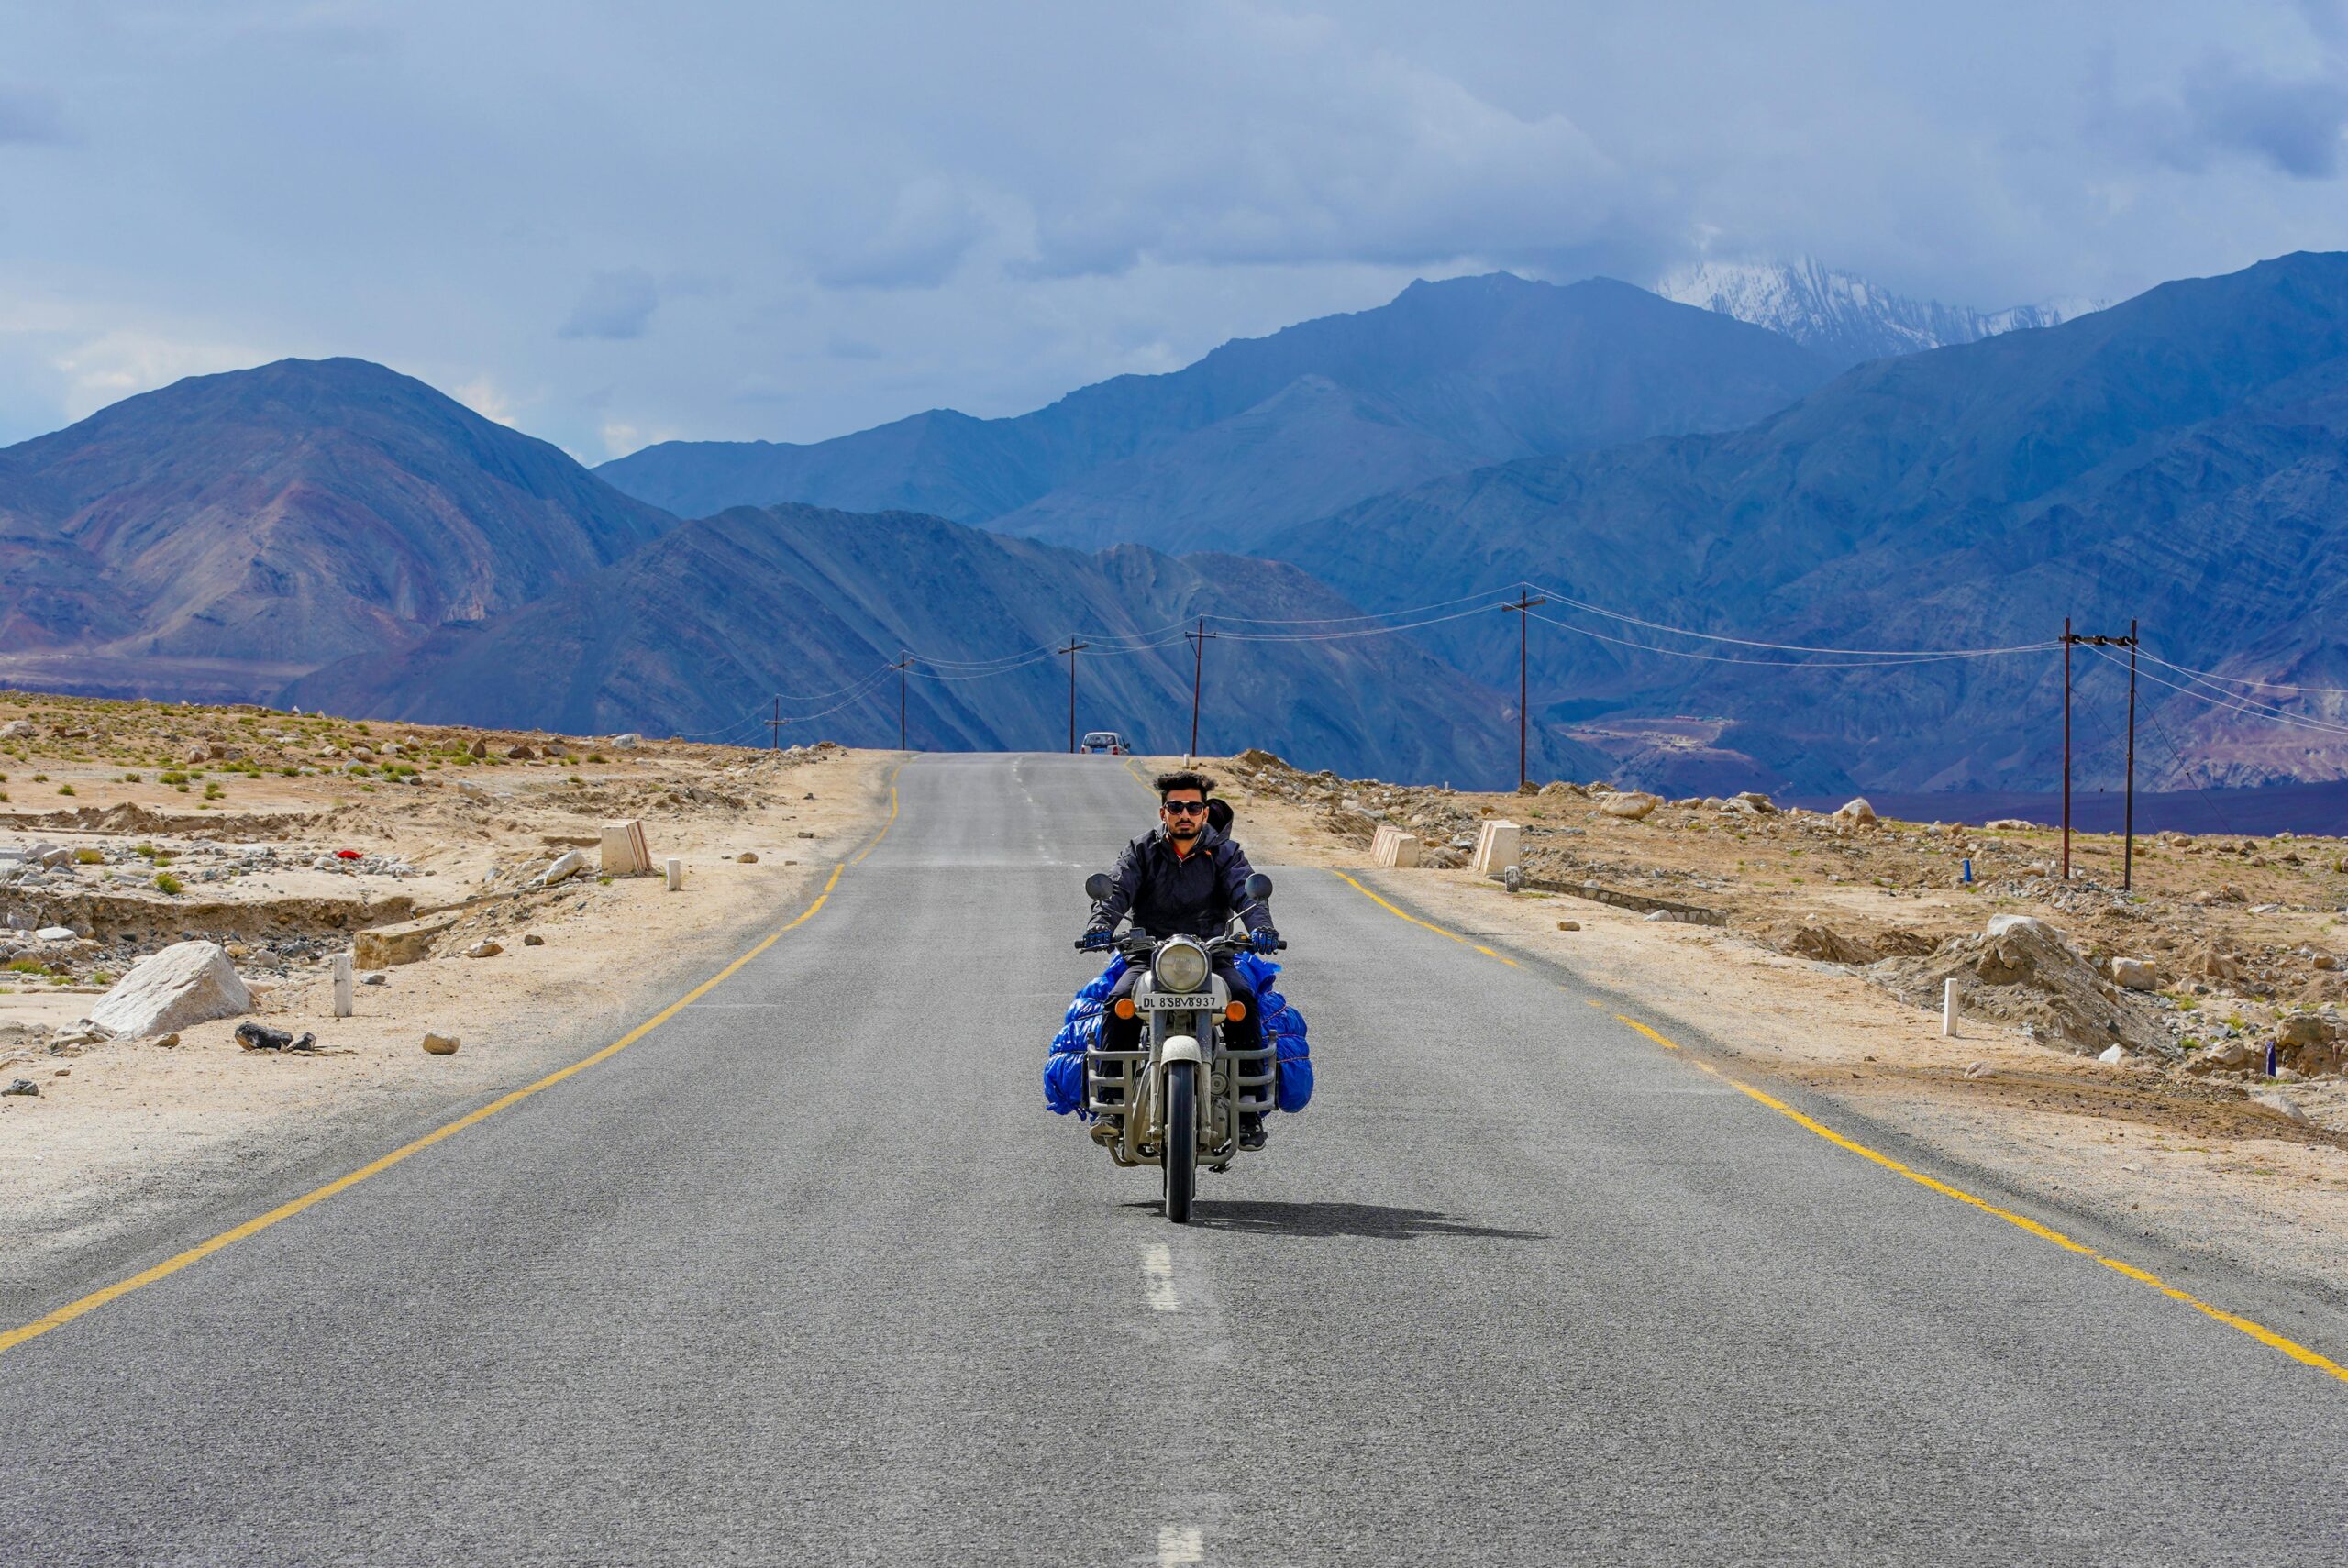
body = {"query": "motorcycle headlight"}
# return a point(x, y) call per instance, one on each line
point(1180, 966)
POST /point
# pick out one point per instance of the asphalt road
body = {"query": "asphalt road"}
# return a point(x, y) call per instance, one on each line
point(808, 1276)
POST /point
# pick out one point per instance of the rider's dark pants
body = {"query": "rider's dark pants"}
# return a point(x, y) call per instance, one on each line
point(1124, 1033)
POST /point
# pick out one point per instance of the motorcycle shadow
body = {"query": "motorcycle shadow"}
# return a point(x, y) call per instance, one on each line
point(1367, 1221)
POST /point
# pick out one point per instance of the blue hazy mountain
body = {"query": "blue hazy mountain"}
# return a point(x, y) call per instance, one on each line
point(219, 536)
point(2181, 457)
point(1266, 432)
point(698, 631)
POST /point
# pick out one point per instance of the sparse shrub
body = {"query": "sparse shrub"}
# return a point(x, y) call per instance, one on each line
point(170, 776)
point(40, 777)
point(131, 779)
point(166, 883)
point(213, 791)
point(595, 756)
point(88, 858)
point(65, 788)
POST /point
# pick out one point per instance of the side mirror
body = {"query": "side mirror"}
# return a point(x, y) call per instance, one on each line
point(1259, 887)
point(1097, 886)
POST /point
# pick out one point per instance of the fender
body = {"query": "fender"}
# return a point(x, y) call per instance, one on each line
point(1180, 1048)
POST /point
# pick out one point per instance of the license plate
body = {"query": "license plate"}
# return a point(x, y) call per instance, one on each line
point(1161, 1002)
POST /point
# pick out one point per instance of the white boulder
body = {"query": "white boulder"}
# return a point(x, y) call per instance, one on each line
point(187, 983)
point(2135, 974)
point(2006, 925)
point(568, 863)
point(628, 741)
point(1856, 811)
point(1634, 807)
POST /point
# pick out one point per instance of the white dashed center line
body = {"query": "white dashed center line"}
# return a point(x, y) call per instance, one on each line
point(1181, 1543)
point(1157, 1276)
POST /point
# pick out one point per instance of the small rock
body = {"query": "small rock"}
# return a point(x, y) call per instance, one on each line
point(805, 833)
point(1658, 914)
point(378, 978)
point(54, 933)
point(626, 742)
point(2112, 1057)
point(1570, 925)
point(532, 939)
point(568, 863)
point(747, 857)
point(2135, 974)
point(261, 1037)
point(168, 1040)
point(2006, 925)
point(485, 948)
point(1980, 1070)
point(1632, 808)
point(2273, 1100)
point(441, 1044)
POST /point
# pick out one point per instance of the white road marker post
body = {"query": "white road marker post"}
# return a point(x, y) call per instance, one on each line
point(1948, 1008)
point(676, 869)
point(342, 984)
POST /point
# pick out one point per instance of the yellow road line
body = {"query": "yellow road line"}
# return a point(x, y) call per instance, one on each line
point(890, 822)
point(1666, 1044)
point(2258, 1331)
point(1405, 914)
point(11, 1337)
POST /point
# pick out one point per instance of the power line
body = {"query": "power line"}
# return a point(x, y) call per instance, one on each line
point(1853, 663)
point(2244, 680)
point(1779, 647)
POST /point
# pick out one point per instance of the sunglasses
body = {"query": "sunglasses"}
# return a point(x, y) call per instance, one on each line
point(1183, 808)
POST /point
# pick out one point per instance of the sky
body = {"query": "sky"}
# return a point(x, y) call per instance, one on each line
point(611, 224)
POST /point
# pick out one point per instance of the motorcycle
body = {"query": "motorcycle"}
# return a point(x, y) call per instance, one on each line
point(1175, 1103)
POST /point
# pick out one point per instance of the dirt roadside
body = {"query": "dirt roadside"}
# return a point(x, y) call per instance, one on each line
point(288, 865)
point(2155, 1145)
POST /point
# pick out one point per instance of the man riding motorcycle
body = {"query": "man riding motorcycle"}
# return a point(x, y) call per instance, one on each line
point(1184, 877)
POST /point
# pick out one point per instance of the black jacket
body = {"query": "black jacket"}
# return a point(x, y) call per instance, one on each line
point(1190, 896)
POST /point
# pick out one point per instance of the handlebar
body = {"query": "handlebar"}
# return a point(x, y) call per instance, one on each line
point(1137, 944)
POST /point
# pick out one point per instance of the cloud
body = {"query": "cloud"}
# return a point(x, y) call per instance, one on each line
point(30, 114)
point(617, 305)
point(2293, 125)
point(481, 396)
point(1307, 148)
point(930, 227)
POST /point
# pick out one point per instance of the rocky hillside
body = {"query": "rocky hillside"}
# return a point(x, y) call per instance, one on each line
point(1264, 433)
point(696, 634)
point(228, 533)
point(2177, 459)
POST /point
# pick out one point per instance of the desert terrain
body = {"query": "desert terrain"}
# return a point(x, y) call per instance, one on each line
point(287, 839)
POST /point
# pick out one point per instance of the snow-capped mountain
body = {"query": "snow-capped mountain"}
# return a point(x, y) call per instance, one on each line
point(1843, 316)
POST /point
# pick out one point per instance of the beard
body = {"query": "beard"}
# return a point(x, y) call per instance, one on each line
point(1183, 828)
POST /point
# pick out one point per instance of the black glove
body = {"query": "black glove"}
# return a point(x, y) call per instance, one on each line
point(1264, 939)
point(1096, 940)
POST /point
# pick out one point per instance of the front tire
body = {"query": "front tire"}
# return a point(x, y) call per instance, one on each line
point(1181, 1167)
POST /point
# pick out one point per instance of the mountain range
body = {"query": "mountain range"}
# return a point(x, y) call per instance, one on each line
point(1267, 433)
point(2178, 460)
point(703, 627)
point(1844, 317)
point(337, 534)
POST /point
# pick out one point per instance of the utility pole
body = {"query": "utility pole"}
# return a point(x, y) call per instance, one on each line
point(774, 726)
point(903, 660)
point(2128, 844)
point(1073, 648)
point(2128, 821)
point(1524, 607)
point(1198, 670)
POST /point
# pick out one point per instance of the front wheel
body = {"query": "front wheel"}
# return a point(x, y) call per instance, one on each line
point(1182, 1153)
